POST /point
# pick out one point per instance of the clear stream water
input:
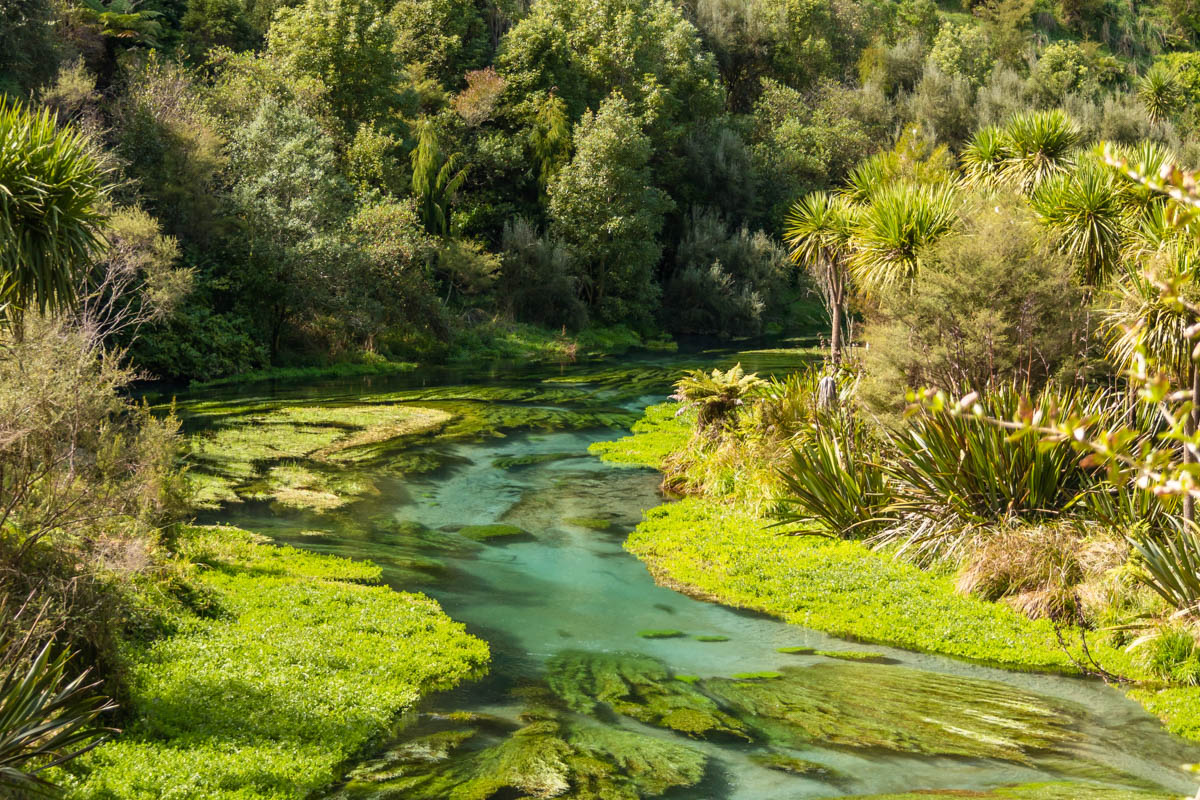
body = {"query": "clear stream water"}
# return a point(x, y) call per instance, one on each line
point(573, 587)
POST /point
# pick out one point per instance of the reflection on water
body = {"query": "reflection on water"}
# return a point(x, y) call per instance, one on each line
point(578, 704)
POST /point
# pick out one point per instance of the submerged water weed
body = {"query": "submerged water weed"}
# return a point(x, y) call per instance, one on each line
point(793, 765)
point(532, 459)
point(708, 637)
point(483, 533)
point(543, 756)
point(897, 709)
point(664, 633)
point(796, 651)
point(861, 656)
point(590, 523)
point(242, 457)
point(640, 687)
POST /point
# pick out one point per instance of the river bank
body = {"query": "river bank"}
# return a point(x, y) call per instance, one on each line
point(721, 549)
point(290, 665)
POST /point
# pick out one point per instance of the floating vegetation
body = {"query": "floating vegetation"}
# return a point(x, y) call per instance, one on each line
point(796, 651)
point(591, 523)
point(861, 656)
point(640, 687)
point(532, 459)
point(542, 756)
point(688, 678)
point(709, 637)
point(665, 633)
point(484, 533)
point(898, 709)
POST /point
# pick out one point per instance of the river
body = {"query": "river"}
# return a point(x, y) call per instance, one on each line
point(565, 593)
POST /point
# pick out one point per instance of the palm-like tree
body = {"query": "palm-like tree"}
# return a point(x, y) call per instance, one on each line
point(1086, 212)
point(983, 158)
point(51, 191)
point(1140, 317)
point(893, 231)
point(818, 230)
point(1039, 145)
point(868, 177)
point(1160, 92)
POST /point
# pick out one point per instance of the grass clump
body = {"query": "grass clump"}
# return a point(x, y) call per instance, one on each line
point(304, 661)
point(665, 633)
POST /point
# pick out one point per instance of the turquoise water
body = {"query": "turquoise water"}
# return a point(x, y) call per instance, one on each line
point(568, 586)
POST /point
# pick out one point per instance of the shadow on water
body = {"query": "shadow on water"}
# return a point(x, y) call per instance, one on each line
point(577, 698)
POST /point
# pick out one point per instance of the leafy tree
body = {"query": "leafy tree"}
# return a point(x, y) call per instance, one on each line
point(963, 50)
point(818, 231)
point(208, 24)
point(604, 207)
point(538, 278)
point(28, 50)
point(550, 137)
point(446, 37)
point(1006, 23)
point(51, 222)
point(436, 179)
point(993, 305)
point(347, 46)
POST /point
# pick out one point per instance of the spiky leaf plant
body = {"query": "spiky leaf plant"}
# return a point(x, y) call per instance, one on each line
point(983, 158)
point(1170, 565)
point(1039, 145)
point(1140, 320)
point(1085, 211)
point(1160, 92)
point(51, 191)
point(893, 231)
point(715, 396)
point(46, 717)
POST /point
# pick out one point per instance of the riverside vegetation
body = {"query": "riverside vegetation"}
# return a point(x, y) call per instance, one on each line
point(988, 206)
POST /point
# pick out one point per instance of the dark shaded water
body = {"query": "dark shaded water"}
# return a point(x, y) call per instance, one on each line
point(569, 586)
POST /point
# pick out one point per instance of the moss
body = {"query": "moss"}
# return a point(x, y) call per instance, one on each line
point(865, 706)
point(708, 637)
point(483, 533)
point(591, 523)
point(863, 656)
point(665, 633)
point(637, 686)
point(308, 661)
point(796, 651)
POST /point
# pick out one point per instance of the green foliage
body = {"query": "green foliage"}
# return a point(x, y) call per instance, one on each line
point(1170, 565)
point(715, 396)
point(1084, 211)
point(309, 662)
point(539, 276)
point(994, 304)
point(1037, 145)
point(1160, 92)
point(894, 230)
point(51, 220)
point(436, 178)
point(344, 44)
point(833, 480)
point(47, 717)
point(963, 50)
point(604, 207)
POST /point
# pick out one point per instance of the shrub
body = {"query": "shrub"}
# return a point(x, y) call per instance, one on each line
point(1035, 569)
point(963, 50)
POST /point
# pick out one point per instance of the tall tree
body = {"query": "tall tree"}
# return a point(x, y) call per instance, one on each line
point(818, 230)
point(604, 207)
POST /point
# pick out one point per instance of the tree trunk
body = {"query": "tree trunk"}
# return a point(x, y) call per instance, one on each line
point(835, 336)
point(1189, 453)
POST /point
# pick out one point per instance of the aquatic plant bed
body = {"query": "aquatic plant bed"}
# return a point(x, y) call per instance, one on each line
point(301, 662)
point(716, 550)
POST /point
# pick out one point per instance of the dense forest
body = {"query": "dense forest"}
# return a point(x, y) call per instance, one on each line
point(349, 181)
point(972, 229)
